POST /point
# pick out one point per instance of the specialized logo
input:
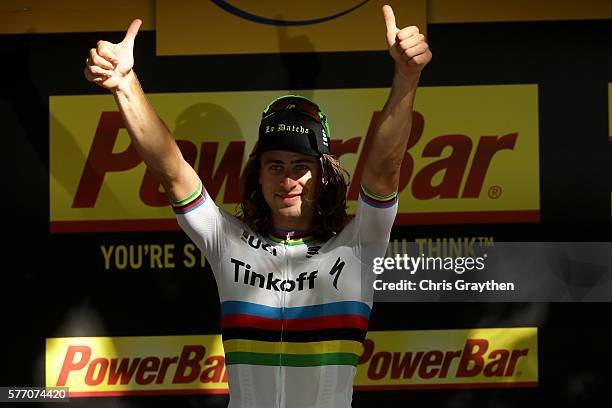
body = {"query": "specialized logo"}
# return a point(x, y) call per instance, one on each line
point(256, 242)
point(244, 274)
point(460, 165)
point(336, 270)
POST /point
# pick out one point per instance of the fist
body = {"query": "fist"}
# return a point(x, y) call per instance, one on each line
point(108, 64)
point(407, 46)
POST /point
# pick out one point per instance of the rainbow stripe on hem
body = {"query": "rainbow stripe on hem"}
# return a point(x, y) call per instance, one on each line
point(190, 203)
point(376, 200)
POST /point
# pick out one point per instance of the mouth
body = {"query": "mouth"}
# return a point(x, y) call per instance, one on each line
point(289, 199)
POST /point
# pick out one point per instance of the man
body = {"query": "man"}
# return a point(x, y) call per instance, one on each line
point(294, 279)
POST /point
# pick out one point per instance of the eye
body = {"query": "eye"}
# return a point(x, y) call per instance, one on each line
point(301, 167)
point(275, 168)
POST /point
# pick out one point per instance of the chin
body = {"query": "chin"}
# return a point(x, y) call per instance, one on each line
point(290, 212)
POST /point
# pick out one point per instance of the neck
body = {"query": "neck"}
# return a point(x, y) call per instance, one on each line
point(292, 223)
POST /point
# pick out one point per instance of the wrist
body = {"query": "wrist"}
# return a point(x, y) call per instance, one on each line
point(126, 84)
point(406, 79)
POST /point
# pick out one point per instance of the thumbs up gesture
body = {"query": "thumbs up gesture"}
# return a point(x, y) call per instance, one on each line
point(407, 46)
point(108, 64)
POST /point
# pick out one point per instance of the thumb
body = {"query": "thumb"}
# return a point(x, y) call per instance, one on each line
point(132, 30)
point(390, 23)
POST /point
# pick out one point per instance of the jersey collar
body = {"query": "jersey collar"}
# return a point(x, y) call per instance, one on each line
point(291, 237)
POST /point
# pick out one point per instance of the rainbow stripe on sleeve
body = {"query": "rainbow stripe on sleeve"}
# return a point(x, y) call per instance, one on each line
point(376, 200)
point(190, 203)
point(307, 336)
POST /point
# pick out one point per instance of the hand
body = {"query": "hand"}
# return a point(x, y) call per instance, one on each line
point(407, 46)
point(109, 64)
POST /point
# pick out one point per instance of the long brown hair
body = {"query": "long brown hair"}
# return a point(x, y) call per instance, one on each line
point(330, 205)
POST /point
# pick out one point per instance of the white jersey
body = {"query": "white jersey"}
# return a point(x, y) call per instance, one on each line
point(294, 310)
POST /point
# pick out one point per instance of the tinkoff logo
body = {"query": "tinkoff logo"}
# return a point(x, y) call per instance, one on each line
point(268, 281)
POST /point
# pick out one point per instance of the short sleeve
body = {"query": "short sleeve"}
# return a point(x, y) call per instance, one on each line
point(375, 216)
point(369, 231)
point(205, 223)
point(367, 235)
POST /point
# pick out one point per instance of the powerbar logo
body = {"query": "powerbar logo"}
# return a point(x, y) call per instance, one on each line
point(98, 366)
point(460, 165)
point(449, 358)
point(110, 366)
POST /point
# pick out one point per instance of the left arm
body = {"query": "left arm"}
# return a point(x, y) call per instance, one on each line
point(410, 53)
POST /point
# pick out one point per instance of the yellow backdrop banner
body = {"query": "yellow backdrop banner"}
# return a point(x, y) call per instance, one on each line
point(194, 27)
point(154, 365)
point(472, 155)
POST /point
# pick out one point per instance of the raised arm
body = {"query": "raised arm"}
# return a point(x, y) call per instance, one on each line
point(110, 66)
point(410, 53)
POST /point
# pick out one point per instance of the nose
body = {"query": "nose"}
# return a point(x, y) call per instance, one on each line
point(288, 182)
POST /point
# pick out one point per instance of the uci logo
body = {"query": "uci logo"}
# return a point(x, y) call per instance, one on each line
point(230, 8)
point(255, 242)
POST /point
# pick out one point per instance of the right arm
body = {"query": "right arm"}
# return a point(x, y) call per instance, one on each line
point(110, 66)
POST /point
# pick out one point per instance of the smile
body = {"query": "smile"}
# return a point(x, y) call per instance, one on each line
point(289, 198)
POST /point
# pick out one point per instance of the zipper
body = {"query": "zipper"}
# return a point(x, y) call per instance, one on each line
point(282, 402)
point(281, 368)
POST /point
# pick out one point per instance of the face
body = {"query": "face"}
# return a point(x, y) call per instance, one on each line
point(288, 182)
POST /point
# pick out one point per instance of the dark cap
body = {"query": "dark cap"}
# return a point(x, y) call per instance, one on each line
point(291, 129)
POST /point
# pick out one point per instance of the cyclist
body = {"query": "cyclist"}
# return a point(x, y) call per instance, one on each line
point(294, 277)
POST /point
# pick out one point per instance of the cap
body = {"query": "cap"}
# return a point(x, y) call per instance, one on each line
point(291, 127)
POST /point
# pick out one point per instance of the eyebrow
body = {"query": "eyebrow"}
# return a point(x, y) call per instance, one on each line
point(298, 161)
